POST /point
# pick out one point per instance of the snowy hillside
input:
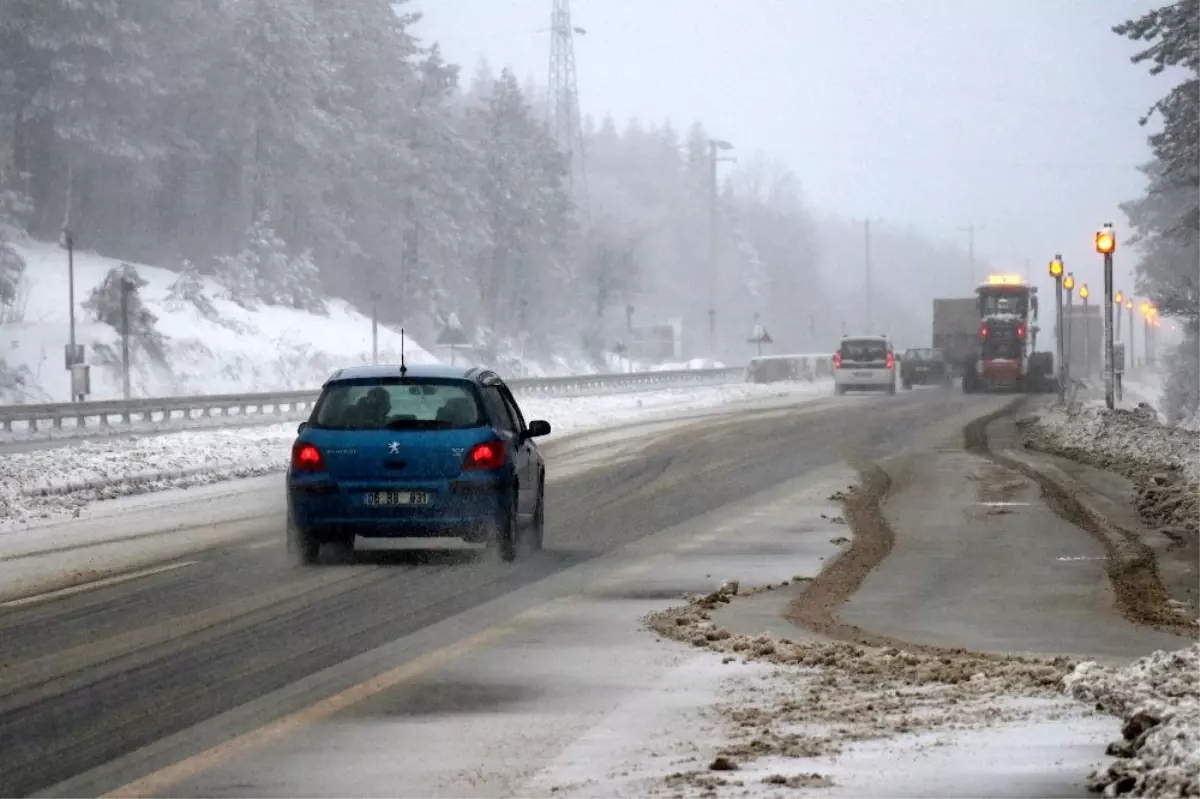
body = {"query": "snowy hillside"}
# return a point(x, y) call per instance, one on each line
point(222, 349)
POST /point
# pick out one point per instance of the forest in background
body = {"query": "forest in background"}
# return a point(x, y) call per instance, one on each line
point(295, 150)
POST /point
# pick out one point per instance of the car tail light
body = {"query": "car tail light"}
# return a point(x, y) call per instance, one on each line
point(307, 458)
point(891, 361)
point(837, 360)
point(983, 331)
point(485, 456)
point(1020, 331)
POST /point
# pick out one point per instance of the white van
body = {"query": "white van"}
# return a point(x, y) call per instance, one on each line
point(864, 363)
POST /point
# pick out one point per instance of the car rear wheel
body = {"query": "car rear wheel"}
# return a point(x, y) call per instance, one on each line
point(907, 385)
point(537, 530)
point(507, 532)
point(304, 547)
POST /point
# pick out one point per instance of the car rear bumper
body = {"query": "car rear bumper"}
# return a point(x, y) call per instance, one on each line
point(457, 509)
point(863, 378)
point(1000, 371)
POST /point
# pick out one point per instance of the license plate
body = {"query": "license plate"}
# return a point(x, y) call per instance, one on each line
point(862, 374)
point(387, 499)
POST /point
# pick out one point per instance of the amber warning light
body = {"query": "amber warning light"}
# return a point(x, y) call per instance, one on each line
point(1005, 280)
point(1106, 240)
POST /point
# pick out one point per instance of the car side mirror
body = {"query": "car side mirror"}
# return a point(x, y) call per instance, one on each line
point(301, 428)
point(538, 428)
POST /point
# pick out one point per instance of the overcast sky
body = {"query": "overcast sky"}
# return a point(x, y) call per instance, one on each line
point(1017, 116)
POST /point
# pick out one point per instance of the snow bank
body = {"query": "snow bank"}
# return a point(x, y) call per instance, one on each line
point(44, 484)
point(1158, 698)
point(1161, 459)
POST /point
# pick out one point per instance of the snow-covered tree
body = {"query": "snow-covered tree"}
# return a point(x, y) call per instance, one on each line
point(104, 303)
point(1166, 220)
point(188, 289)
point(12, 268)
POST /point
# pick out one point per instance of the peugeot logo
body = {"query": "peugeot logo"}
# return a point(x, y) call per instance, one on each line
point(394, 448)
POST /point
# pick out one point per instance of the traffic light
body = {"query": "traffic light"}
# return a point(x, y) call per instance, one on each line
point(1069, 282)
point(1106, 240)
point(1083, 291)
point(1056, 267)
point(1119, 298)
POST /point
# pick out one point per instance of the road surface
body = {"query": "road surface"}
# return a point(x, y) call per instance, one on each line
point(226, 671)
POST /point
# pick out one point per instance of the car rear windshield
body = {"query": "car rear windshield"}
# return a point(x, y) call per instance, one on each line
point(866, 349)
point(397, 404)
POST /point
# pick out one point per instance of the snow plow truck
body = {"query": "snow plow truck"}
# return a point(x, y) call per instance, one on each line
point(1005, 353)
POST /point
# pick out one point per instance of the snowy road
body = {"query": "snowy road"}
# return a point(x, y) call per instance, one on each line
point(54, 481)
point(223, 671)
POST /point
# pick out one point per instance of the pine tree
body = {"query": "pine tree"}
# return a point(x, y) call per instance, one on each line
point(12, 268)
point(104, 303)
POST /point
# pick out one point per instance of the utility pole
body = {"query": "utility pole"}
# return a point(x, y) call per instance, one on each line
point(126, 287)
point(867, 257)
point(375, 328)
point(714, 145)
point(970, 231)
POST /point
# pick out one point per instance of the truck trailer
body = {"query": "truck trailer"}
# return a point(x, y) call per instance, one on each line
point(955, 327)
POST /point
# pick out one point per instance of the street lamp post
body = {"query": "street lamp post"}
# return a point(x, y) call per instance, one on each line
point(1132, 354)
point(1146, 351)
point(1056, 272)
point(1119, 299)
point(714, 145)
point(1106, 243)
point(1068, 346)
point(1084, 293)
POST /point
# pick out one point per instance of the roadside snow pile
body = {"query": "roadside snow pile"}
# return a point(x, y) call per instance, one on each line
point(42, 484)
point(1158, 698)
point(828, 696)
point(46, 483)
point(1162, 460)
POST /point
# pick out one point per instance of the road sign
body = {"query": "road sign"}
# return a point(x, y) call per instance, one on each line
point(759, 335)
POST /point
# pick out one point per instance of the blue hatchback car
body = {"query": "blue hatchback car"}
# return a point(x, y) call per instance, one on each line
point(423, 451)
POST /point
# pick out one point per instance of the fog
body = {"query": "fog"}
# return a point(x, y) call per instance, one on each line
point(1019, 117)
point(397, 153)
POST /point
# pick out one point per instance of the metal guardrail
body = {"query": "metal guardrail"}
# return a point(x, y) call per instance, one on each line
point(285, 404)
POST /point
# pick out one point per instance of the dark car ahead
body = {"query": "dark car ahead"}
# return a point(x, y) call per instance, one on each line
point(924, 367)
point(433, 451)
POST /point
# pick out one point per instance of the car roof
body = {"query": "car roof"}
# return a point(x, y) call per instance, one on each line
point(430, 370)
point(849, 337)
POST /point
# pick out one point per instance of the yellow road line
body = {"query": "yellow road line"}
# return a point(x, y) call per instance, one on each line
point(92, 586)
